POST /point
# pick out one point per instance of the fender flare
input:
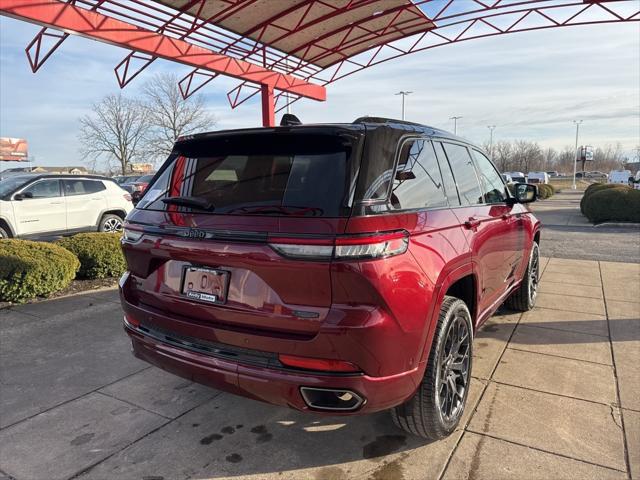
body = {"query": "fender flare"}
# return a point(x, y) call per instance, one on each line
point(441, 288)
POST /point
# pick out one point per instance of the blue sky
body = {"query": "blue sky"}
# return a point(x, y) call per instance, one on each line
point(530, 85)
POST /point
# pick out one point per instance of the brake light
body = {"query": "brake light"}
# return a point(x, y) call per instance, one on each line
point(318, 364)
point(379, 245)
point(131, 321)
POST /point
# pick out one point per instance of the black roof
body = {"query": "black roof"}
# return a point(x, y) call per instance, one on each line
point(361, 123)
point(55, 175)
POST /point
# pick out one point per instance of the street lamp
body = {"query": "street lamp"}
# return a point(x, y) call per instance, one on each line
point(404, 94)
point(455, 124)
point(575, 159)
point(491, 129)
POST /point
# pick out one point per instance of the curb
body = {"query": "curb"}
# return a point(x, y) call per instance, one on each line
point(629, 225)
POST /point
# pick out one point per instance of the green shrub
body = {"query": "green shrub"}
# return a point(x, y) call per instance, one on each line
point(100, 254)
point(34, 269)
point(618, 204)
point(593, 188)
point(545, 190)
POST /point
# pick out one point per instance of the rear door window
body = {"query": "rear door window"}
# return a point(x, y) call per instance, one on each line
point(301, 175)
point(464, 173)
point(417, 183)
point(74, 187)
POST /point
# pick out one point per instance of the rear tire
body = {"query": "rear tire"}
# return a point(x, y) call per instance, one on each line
point(436, 408)
point(4, 233)
point(524, 298)
point(110, 223)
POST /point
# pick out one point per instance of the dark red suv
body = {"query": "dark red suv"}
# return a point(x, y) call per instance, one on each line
point(329, 268)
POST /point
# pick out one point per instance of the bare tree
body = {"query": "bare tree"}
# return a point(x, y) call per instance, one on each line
point(171, 116)
point(115, 131)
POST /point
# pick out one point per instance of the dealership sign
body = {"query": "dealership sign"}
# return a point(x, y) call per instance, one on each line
point(13, 149)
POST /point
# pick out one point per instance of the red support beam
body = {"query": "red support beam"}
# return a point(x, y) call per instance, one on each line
point(75, 20)
point(268, 106)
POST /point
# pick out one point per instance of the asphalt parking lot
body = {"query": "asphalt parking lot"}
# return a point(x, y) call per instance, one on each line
point(568, 234)
point(556, 394)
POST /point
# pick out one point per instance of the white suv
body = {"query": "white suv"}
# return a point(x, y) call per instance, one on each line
point(47, 205)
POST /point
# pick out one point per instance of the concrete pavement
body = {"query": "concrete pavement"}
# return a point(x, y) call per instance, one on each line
point(555, 394)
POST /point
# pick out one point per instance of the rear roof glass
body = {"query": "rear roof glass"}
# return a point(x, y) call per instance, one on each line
point(260, 174)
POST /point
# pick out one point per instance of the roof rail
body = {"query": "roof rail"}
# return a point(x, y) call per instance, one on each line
point(385, 120)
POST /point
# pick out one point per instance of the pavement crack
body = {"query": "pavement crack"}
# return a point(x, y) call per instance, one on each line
point(613, 416)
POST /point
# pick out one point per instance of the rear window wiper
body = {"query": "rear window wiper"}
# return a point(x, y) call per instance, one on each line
point(190, 202)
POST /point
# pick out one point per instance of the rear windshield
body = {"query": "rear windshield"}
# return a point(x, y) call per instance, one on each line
point(258, 174)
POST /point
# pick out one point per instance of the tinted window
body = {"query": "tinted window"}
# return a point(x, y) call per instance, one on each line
point(464, 173)
point(265, 175)
point(82, 187)
point(417, 182)
point(493, 187)
point(447, 176)
point(44, 189)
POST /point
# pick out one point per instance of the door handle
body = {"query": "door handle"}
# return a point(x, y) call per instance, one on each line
point(472, 223)
point(55, 203)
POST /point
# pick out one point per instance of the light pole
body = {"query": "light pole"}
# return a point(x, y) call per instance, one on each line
point(455, 124)
point(575, 158)
point(491, 129)
point(404, 94)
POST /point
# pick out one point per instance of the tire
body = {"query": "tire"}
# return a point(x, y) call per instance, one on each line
point(524, 298)
point(110, 223)
point(426, 414)
point(4, 233)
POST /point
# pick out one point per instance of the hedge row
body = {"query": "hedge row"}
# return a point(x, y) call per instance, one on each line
point(37, 269)
point(545, 190)
point(611, 203)
point(100, 254)
point(34, 269)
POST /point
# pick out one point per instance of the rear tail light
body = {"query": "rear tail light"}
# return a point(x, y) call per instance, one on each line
point(380, 245)
point(318, 364)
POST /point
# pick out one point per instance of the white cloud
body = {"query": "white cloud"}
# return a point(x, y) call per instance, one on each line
point(531, 85)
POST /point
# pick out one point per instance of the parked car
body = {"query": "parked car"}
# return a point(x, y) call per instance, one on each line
point(620, 176)
point(553, 174)
point(595, 174)
point(636, 181)
point(538, 177)
point(507, 178)
point(517, 177)
point(125, 179)
point(338, 269)
point(137, 187)
point(39, 205)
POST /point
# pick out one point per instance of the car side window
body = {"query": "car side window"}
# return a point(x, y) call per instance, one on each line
point(93, 186)
point(447, 177)
point(81, 187)
point(464, 173)
point(494, 190)
point(44, 189)
point(417, 182)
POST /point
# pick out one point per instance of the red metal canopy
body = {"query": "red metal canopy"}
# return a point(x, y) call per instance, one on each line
point(292, 47)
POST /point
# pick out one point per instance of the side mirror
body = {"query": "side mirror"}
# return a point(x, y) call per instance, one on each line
point(22, 196)
point(525, 192)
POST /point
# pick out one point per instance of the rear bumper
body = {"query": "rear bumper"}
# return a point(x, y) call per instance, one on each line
point(271, 385)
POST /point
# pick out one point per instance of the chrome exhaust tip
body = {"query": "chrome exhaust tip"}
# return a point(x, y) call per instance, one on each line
point(332, 399)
